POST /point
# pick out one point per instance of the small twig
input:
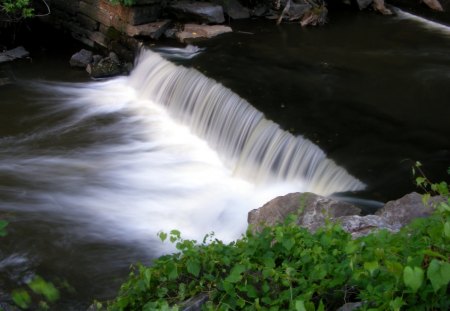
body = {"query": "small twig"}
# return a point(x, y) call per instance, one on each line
point(48, 10)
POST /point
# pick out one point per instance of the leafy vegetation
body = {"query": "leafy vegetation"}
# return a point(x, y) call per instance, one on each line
point(286, 267)
point(15, 10)
point(124, 2)
point(38, 292)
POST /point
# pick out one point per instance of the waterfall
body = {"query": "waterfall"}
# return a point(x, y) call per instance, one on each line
point(165, 148)
point(252, 146)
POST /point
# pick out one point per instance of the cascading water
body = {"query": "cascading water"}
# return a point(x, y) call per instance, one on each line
point(113, 160)
point(252, 146)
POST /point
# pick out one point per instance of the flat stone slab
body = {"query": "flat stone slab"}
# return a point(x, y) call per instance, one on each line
point(152, 30)
point(194, 32)
point(16, 53)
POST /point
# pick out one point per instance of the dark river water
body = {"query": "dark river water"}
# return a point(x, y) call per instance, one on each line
point(90, 171)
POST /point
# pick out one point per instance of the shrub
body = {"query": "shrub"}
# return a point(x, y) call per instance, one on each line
point(286, 267)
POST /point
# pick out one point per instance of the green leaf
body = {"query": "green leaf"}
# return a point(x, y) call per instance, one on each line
point(162, 236)
point(171, 270)
point(46, 289)
point(447, 229)
point(251, 291)
point(439, 274)
point(235, 274)
point(288, 243)
point(175, 235)
point(21, 298)
point(193, 267)
point(300, 305)
point(3, 224)
point(413, 277)
point(420, 180)
point(396, 304)
point(371, 266)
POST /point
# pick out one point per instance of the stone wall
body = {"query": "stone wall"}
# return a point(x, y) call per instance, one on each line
point(100, 24)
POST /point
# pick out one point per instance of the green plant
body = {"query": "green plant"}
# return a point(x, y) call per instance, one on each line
point(124, 2)
point(16, 9)
point(3, 225)
point(38, 288)
point(285, 267)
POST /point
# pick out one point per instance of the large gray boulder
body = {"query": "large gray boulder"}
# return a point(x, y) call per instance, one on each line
point(203, 12)
point(312, 211)
point(16, 53)
point(404, 210)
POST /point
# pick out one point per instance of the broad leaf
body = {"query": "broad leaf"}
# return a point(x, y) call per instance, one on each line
point(438, 273)
point(413, 277)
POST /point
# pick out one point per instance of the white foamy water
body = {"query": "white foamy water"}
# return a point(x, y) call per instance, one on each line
point(166, 148)
point(429, 24)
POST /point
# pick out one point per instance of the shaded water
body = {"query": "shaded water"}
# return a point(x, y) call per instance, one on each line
point(91, 171)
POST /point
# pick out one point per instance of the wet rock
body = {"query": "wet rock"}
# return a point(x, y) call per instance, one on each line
point(152, 30)
point(312, 211)
point(198, 11)
point(194, 32)
point(234, 9)
point(81, 59)
point(107, 67)
point(16, 53)
point(362, 4)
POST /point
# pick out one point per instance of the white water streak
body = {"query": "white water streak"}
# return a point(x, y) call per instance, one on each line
point(441, 28)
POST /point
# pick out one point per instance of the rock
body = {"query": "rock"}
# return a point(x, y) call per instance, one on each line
point(152, 30)
point(96, 59)
point(107, 67)
point(359, 226)
point(402, 211)
point(297, 11)
point(7, 307)
point(381, 7)
point(81, 59)
point(434, 5)
point(198, 11)
point(234, 9)
point(312, 210)
point(259, 10)
point(16, 53)
point(194, 32)
point(195, 303)
point(362, 4)
point(350, 306)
